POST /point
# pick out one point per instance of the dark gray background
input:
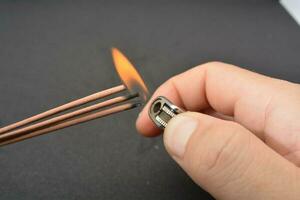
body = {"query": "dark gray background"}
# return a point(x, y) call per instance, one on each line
point(52, 52)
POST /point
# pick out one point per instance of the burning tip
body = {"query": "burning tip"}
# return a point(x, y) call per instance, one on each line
point(128, 74)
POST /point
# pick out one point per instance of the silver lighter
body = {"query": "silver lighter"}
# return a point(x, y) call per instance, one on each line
point(162, 110)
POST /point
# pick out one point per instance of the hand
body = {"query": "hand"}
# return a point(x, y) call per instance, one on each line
point(247, 145)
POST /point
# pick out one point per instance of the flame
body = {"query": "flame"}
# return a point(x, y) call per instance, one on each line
point(128, 74)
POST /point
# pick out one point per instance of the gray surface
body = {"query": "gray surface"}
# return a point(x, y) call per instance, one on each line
point(52, 52)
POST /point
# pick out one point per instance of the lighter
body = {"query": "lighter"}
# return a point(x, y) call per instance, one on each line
point(162, 110)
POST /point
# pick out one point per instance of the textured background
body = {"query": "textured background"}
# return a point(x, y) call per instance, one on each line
point(52, 52)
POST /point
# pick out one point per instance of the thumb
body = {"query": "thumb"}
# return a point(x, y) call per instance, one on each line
point(229, 161)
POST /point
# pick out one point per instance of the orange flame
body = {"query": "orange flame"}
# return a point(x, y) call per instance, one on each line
point(128, 74)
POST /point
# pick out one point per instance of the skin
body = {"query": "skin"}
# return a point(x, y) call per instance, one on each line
point(247, 143)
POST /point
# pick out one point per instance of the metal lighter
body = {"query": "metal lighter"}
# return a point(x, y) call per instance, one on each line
point(162, 110)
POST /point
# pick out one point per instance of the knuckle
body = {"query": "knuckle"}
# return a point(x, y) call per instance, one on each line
point(292, 87)
point(284, 82)
point(172, 81)
point(215, 67)
point(285, 85)
point(213, 64)
point(284, 89)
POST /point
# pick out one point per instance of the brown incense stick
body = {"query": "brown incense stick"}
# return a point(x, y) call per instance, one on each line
point(64, 107)
point(72, 122)
point(64, 117)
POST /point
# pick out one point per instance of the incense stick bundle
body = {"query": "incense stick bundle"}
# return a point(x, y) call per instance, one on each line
point(64, 107)
point(25, 129)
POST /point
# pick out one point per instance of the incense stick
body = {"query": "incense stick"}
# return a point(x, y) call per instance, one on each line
point(64, 107)
point(64, 117)
point(69, 123)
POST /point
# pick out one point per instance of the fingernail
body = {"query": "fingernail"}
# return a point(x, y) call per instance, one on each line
point(178, 133)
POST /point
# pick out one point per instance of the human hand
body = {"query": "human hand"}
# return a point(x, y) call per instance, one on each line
point(247, 145)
